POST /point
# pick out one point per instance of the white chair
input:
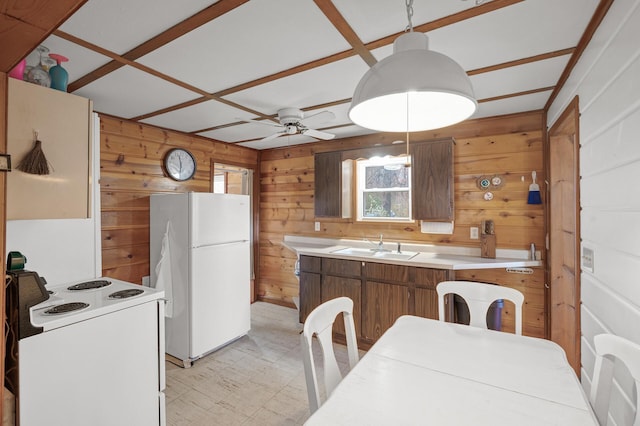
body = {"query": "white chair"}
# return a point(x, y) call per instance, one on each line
point(479, 297)
point(319, 323)
point(609, 347)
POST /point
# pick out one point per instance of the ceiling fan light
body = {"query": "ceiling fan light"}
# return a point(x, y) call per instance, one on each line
point(414, 89)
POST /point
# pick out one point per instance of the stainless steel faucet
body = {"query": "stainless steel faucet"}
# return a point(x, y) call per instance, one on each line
point(380, 244)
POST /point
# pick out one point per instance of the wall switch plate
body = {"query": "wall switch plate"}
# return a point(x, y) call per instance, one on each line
point(317, 226)
point(587, 259)
point(473, 232)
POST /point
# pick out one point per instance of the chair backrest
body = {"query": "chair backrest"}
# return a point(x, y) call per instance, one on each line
point(479, 297)
point(609, 347)
point(319, 323)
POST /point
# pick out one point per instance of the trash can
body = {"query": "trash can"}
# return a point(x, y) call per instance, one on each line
point(494, 314)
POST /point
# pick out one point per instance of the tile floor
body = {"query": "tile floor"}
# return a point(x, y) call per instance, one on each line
point(257, 380)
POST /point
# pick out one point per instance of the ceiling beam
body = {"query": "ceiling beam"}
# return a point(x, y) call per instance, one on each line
point(337, 20)
point(204, 16)
point(536, 58)
point(516, 94)
point(593, 25)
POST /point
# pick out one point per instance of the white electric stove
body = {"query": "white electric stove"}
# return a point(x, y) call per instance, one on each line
point(78, 301)
point(100, 364)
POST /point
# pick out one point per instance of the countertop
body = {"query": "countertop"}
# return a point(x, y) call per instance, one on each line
point(429, 256)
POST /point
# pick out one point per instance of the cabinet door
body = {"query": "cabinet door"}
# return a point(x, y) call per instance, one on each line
point(333, 287)
point(432, 180)
point(426, 303)
point(310, 293)
point(328, 190)
point(63, 123)
point(426, 298)
point(383, 305)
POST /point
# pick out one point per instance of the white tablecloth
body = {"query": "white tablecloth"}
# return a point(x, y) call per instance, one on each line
point(423, 371)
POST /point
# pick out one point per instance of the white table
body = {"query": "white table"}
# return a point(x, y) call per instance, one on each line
point(423, 371)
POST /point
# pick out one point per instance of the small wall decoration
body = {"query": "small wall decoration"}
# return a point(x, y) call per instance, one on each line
point(489, 182)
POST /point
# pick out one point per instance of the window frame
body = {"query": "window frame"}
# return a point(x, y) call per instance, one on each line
point(388, 160)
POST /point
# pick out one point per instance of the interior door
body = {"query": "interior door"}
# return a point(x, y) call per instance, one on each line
point(564, 235)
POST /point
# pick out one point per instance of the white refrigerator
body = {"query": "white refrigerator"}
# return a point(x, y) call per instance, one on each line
point(200, 255)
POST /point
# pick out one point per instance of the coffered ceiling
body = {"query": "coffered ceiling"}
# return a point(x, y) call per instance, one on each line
point(202, 67)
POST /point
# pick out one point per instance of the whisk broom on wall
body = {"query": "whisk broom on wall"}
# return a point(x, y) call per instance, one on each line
point(35, 161)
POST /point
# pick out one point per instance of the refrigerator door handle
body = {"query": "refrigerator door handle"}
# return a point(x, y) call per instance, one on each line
point(226, 243)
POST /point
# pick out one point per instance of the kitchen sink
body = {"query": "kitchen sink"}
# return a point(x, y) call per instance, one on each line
point(376, 254)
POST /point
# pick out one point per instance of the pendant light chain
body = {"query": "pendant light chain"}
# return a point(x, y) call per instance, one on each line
point(409, 4)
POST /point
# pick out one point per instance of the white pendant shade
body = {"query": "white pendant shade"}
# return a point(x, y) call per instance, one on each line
point(414, 89)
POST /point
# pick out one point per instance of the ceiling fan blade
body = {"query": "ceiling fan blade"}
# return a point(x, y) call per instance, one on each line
point(263, 122)
point(317, 119)
point(318, 134)
point(273, 136)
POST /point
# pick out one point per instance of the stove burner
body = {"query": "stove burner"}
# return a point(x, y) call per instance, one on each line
point(89, 285)
point(66, 307)
point(123, 294)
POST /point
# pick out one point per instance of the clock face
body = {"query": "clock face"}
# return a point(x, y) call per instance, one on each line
point(180, 164)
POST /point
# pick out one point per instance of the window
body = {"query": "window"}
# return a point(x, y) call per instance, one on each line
point(384, 189)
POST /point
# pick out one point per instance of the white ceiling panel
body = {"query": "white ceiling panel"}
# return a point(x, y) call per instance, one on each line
point(522, 30)
point(532, 102)
point(320, 85)
point(376, 19)
point(248, 43)
point(200, 116)
point(241, 132)
point(279, 142)
point(531, 76)
point(121, 25)
point(129, 92)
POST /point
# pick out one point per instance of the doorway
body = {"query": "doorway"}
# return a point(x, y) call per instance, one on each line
point(564, 234)
point(233, 179)
point(228, 179)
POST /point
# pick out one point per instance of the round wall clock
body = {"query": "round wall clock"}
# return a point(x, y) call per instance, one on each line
point(179, 164)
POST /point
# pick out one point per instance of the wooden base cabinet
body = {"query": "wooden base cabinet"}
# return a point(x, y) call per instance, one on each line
point(380, 292)
point(384, 304)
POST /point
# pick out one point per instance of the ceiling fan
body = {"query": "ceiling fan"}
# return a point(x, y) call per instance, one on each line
point(293, 121)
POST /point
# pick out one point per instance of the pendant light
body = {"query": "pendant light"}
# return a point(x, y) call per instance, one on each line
point(414, 89)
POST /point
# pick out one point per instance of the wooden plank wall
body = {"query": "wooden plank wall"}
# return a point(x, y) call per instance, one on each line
point(130, 170)
point(511, 146)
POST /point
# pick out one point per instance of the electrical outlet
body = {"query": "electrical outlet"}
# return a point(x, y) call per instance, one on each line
point(317, 226)
point(473, 232)
point(587, 259)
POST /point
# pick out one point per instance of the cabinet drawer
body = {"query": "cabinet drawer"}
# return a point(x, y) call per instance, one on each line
point(343, 268)
point(386, 272)
point(429, 278)
point(310, 264)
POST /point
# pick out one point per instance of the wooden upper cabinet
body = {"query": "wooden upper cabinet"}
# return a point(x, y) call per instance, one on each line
point(328, 189)
point(432, 180)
